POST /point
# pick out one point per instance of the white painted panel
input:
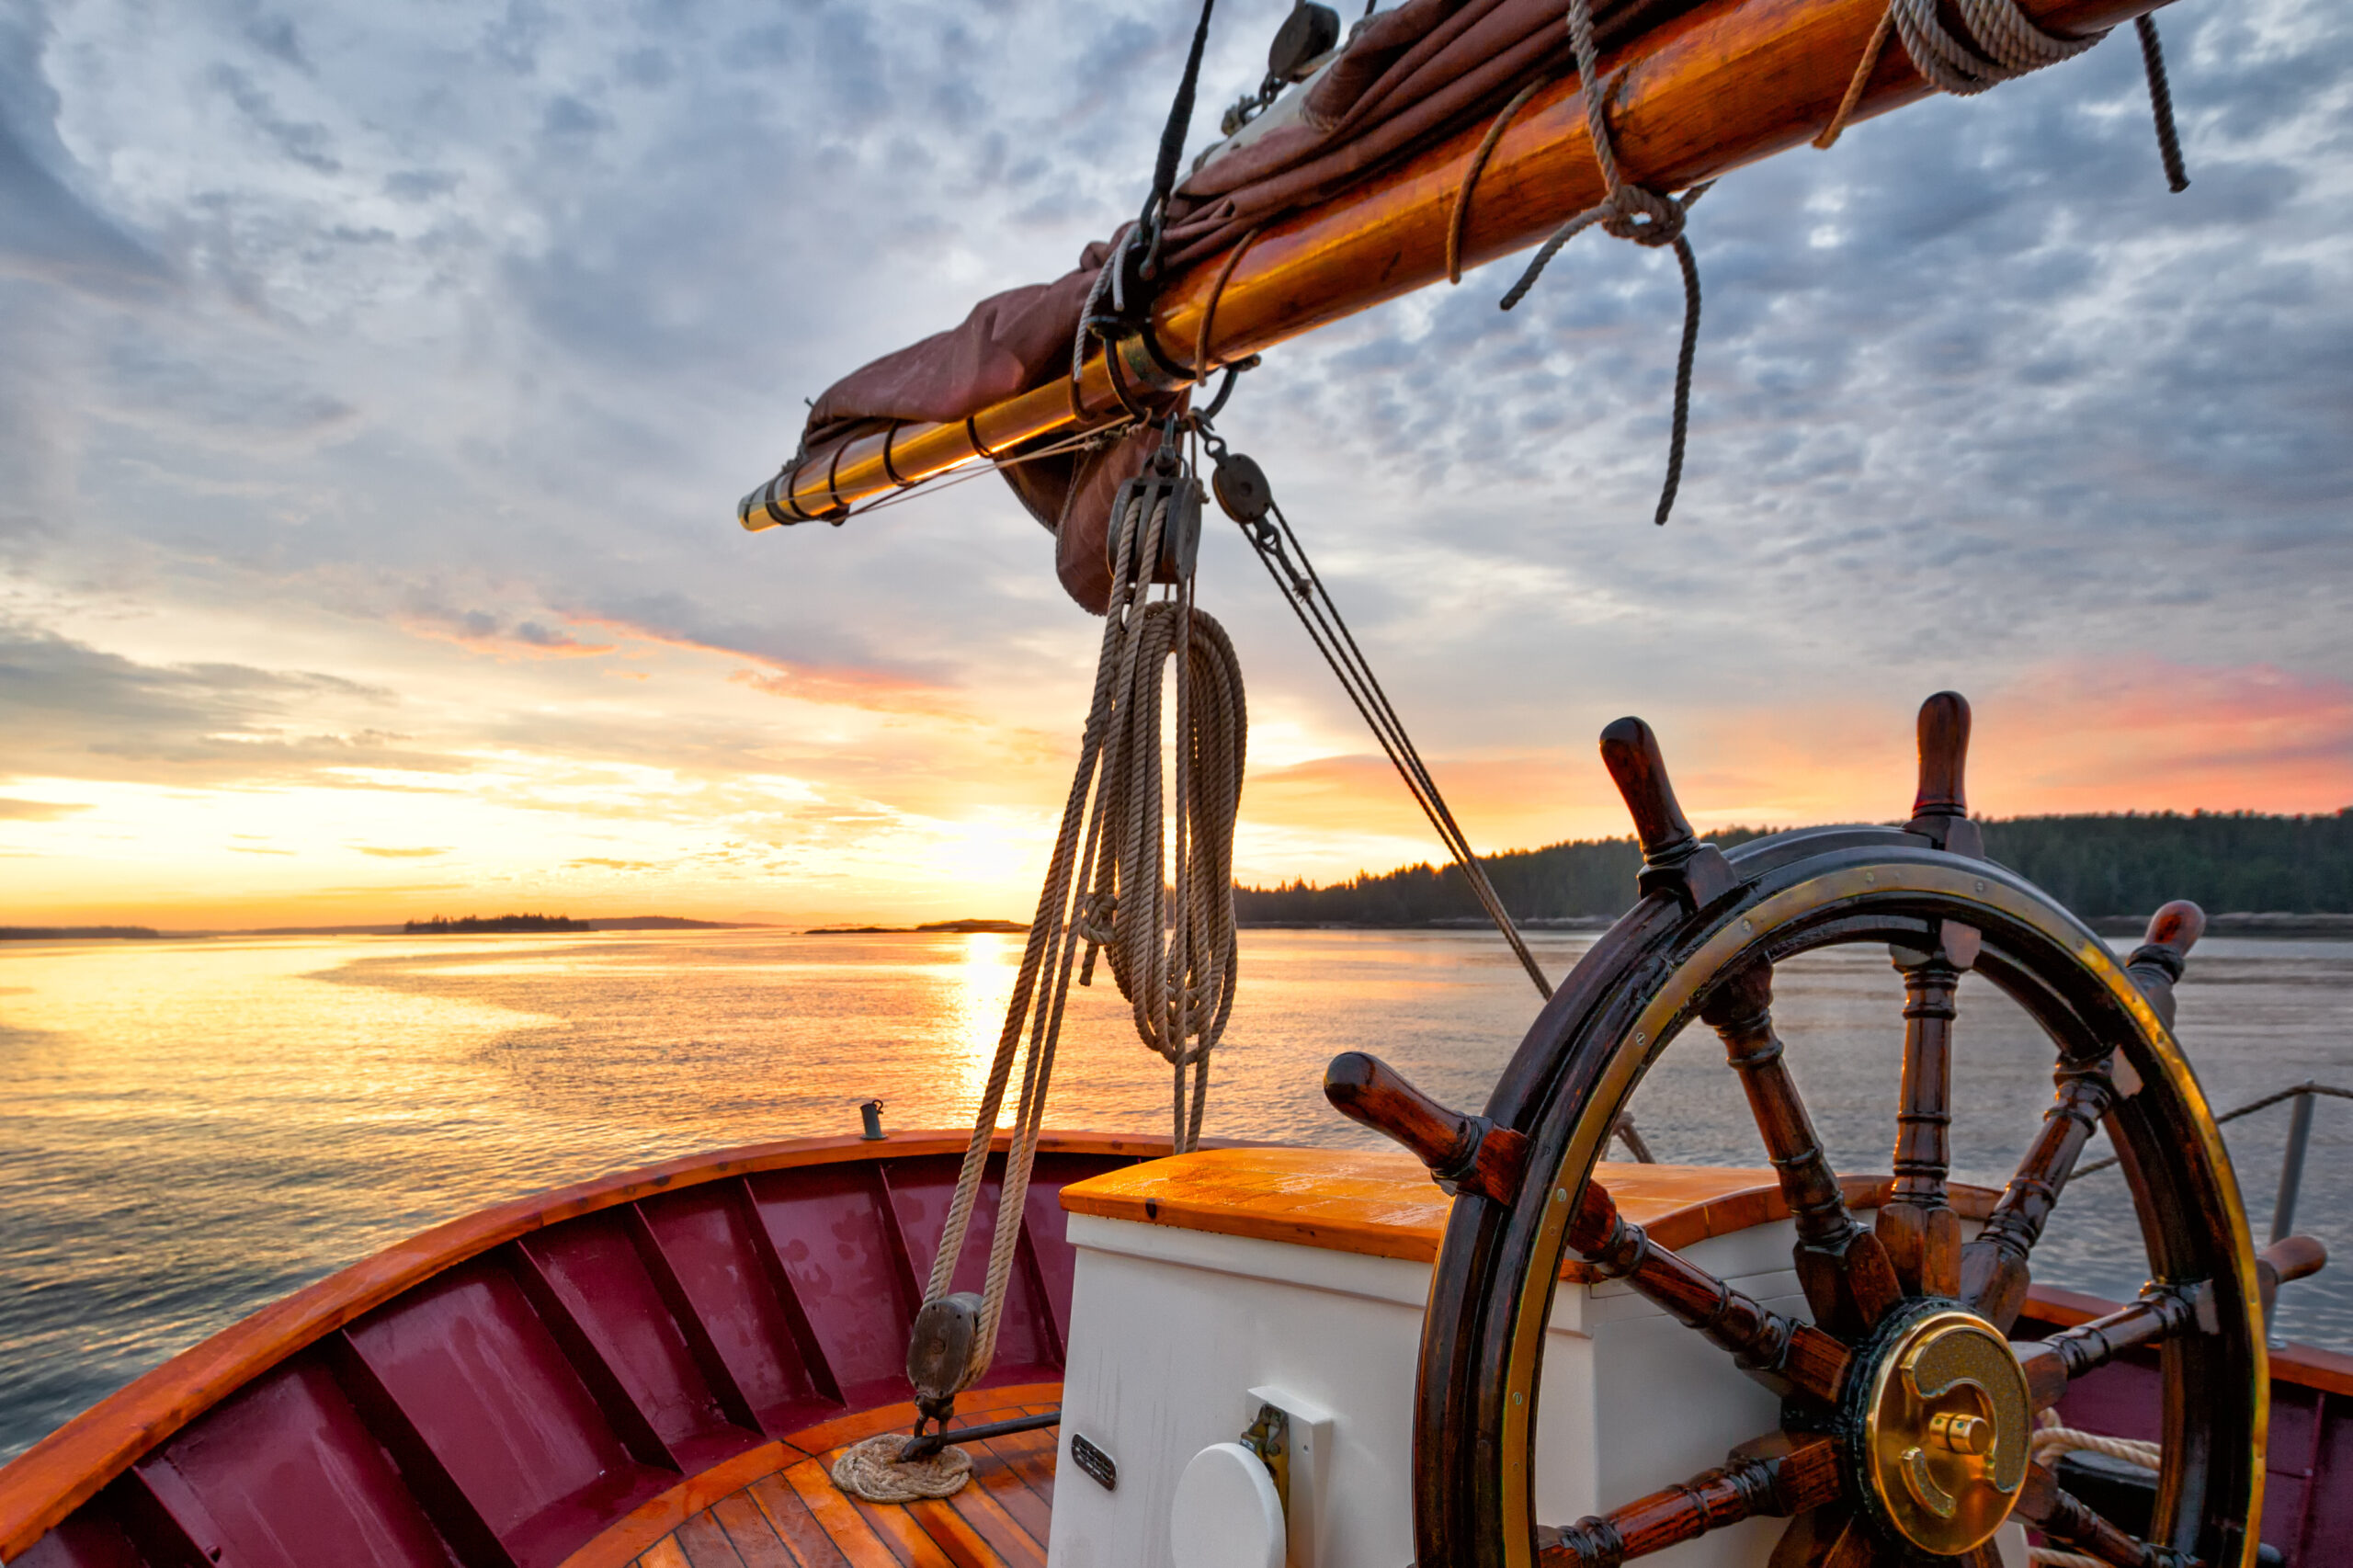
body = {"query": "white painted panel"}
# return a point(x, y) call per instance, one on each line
point(1172, 1329)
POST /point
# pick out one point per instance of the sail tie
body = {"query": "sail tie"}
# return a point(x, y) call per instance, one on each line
point(1170, 940)
point(1628, 212)
point(2008, 45)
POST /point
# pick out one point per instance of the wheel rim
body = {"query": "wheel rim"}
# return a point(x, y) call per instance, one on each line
point(1643, 983)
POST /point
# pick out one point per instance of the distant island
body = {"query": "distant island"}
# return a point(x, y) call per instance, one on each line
point(2259, 873)
point(957, 928)
point(77, 933)
point(442, 925)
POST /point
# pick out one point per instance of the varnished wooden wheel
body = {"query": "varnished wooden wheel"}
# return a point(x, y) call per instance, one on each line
point(1906, 1411)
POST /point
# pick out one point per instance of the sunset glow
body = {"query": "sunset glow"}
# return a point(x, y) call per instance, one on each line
point(379, 386)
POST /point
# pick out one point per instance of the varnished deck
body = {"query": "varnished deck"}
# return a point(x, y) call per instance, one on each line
point(792, 1516)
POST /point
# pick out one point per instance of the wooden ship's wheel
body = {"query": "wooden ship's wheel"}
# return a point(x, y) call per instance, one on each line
point(1906, 1409)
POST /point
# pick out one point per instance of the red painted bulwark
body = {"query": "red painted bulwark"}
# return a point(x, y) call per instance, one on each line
point(501, 1389)
point(507, 1390)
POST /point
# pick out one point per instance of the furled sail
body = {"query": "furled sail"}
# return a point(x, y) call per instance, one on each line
point(1443, 134)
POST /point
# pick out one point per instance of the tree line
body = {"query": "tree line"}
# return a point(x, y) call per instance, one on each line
point(2126, 864)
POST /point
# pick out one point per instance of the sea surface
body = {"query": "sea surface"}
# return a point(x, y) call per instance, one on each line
point(194, 1129)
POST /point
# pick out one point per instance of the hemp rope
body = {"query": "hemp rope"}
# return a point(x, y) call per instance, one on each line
point(2008, 45)
point(1201, 366)
point(1459, 218)
point(1183, 993)
point(2050, 1442)
point(1631, 212)
point(873, 1469)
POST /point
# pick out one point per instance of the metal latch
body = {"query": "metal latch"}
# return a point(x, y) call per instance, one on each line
point(1269, 1437)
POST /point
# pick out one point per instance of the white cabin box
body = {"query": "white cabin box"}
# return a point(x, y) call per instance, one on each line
point(1213, 1286)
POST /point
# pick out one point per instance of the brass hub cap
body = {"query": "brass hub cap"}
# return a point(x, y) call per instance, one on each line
point(1942, 1427)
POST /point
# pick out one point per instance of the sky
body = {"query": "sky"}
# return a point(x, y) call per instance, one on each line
point(377, 384)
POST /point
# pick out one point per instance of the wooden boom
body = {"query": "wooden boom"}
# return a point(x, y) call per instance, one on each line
point(1727, 84)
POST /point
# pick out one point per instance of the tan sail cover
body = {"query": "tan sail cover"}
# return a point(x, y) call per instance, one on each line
point(1407, 76)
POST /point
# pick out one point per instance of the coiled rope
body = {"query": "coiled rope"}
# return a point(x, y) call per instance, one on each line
point(2008, 44)
point(1628, 213)
point(2050, 1442)
point(1172, 952)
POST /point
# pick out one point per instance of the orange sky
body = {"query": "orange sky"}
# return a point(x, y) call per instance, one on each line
point(688, 780)
point(374, 410)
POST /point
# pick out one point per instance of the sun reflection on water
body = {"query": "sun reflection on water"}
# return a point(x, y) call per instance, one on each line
point(197, 1129)
point(982, 990)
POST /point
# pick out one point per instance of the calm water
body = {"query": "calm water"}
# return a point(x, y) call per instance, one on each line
point(194, 1129)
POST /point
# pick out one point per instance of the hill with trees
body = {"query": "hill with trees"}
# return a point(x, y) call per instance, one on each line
point(2100, 867)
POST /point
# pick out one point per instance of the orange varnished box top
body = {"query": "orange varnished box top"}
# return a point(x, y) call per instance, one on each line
point(1382, 1203)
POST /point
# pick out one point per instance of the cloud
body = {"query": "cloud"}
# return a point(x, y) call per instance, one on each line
point(37, 810)
point(70, 711)
point(485, 631)
point(473, 324)
point(383, 852)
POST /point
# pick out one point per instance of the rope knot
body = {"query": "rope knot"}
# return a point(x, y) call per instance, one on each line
point(1638, 213)
point(1628, 212)
point(1097, 915)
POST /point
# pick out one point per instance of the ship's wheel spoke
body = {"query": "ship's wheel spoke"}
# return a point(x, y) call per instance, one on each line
point(1916, 1224)
point(1833, 1536)
point(2071, 1522)
point(1775, 1348)
point(1841, 1266)
point(1993, 1272)
point(1773, 1477)
point(2162, 1312)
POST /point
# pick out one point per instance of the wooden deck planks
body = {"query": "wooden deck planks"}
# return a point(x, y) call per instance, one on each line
point(789, 1517)
point(795, 1517)
point(748, 1530)
point(840, 1516)
point(706, 1542)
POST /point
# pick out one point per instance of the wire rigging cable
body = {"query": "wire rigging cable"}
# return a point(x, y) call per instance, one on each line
point(1246, 497)
point(1245, 494)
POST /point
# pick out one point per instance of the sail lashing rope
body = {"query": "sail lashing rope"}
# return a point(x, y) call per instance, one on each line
point(2008, 45)
point(1170, 940)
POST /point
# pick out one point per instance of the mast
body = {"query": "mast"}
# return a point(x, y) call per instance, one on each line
point(1727, 84)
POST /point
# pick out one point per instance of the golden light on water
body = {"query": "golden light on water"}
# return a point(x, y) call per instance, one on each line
point(983, 986)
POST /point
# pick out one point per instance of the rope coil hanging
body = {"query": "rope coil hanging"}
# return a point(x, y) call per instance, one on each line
point(2003, 44)
point(1170, 942)
point(1628, 212)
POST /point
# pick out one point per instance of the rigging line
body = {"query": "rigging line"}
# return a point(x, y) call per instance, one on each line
point(1442, 816)
point(991, 465)
point(1631, 212)
point(1328, 630)
point(1458, 217)
point(2266, 1103)
point(2002, 44)
point(2153, 63)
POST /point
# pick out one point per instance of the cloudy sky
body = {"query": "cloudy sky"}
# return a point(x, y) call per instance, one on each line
point(377, 382)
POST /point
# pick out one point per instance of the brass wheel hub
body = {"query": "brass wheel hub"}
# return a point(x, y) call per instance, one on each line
point(1940, 1429)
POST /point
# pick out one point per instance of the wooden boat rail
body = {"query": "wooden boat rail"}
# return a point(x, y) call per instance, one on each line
point(665, 1318)
point(660, 1363)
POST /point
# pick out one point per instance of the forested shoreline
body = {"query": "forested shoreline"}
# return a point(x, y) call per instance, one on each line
point(2101, 867)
